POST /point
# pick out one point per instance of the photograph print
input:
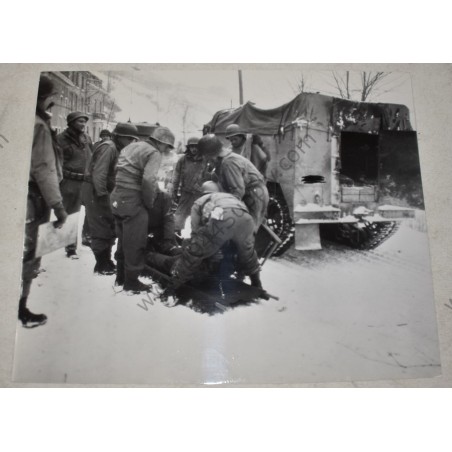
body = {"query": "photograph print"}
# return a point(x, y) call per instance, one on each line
point(214, 226)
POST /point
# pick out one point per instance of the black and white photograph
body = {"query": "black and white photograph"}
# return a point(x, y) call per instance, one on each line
point(218, 226)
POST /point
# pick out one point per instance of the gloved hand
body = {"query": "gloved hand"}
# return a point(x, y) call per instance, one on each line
point(61, 215)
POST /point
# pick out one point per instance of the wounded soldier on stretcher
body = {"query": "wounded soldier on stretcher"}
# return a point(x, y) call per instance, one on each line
point(222, 242)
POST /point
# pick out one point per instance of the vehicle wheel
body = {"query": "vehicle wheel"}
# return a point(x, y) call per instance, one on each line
point(280, 222)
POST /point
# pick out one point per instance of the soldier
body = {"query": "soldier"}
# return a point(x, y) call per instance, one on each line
point(190, 172)
point(104, 135)
point(250, 146)
point(134, 195)
point(77, 148)
point(161, 218)
point(217, 218)
point(96, 190)
point(238, 176)
point(43, 195)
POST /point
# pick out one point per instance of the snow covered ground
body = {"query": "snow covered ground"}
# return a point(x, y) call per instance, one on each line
point(343, 315)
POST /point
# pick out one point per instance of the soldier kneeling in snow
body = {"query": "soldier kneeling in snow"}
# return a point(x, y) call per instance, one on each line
point(217, 218)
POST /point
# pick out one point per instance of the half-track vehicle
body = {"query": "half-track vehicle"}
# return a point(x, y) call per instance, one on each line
point(341, 170)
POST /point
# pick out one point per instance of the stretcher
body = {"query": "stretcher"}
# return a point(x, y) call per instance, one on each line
point(217, 291)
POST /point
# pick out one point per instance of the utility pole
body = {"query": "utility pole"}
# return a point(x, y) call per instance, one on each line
point(240, 88)
point(184, 121)
point(158, 104)
point(109, 82)
point(111, 111)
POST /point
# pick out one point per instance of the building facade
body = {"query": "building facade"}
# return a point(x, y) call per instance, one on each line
point(82, 91)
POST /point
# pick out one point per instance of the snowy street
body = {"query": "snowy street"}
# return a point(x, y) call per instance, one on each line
point(342, 315)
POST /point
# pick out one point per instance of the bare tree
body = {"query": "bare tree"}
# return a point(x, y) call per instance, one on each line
point(368, 85)
point(370, 82)
point(343, 84)
point(188, 119)
point(301, 84)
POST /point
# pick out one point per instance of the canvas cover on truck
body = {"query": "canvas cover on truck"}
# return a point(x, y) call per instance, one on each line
point(320, 111)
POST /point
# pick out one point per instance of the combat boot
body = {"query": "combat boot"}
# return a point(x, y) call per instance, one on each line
point(135, 286)
point(71, 254)
point(28, 318)
point(255, 279)
point(108, 262)
point(104, 265)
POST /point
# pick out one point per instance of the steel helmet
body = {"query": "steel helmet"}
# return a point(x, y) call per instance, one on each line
point(76, 115)
point(234, 129)
point(145, 129)
point(164, 135)
point(126, 129)
point(210, 187)
point(193, 141)
point(209, 144)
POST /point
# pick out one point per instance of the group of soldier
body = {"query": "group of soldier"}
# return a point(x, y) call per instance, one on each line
point(222, 189)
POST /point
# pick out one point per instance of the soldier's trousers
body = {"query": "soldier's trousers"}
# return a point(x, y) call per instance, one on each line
point(99, 218)
point(186, 201)
point(37, 214)
point(161, 218)
point(71, 191)
point(237, 226)
point(131, 219)
point(256, 199)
